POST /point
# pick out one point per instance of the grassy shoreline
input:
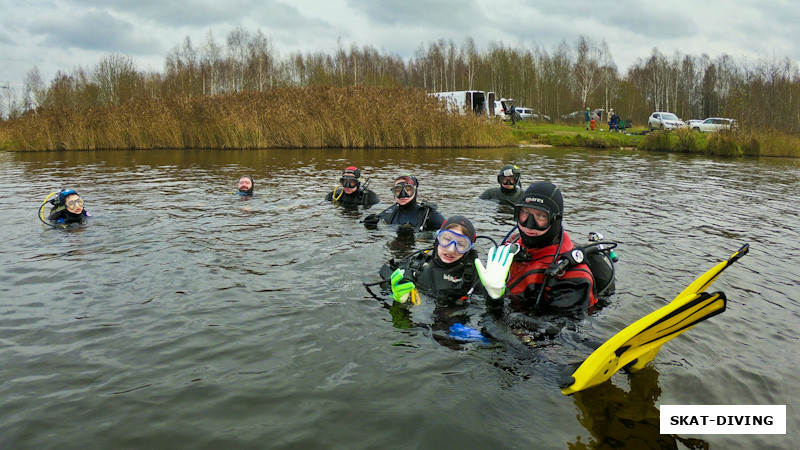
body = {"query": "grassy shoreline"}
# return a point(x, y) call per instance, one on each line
point(328, 117)
point(320, 117)
point(766, 143)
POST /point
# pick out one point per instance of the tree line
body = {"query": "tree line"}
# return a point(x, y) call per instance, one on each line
point(762, 93)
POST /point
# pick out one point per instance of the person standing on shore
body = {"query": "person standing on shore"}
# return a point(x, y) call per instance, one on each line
point(588, 117)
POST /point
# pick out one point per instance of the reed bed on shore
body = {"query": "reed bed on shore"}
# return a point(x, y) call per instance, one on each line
point(315, 117)
point(722, 143)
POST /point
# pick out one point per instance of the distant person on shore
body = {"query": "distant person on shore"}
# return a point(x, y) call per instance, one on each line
point(68, 209)
point(588, 116)
point(350, 191)
point(509, 191)
point(246, 186)
point(407, 211)
point(615, 120)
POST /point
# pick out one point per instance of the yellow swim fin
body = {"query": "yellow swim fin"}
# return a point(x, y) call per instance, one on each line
point(638, 344)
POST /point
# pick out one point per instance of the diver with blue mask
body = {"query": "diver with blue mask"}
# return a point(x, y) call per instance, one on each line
point(67, 209)
point(445, 272)
point(447, 275)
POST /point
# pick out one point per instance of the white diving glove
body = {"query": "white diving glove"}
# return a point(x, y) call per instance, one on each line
point(498, 263)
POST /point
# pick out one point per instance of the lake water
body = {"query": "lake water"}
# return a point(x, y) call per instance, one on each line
point(183, 316)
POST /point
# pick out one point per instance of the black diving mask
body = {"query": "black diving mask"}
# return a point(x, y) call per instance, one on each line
point(401, 190)
point(534, 219)
point(348, 182)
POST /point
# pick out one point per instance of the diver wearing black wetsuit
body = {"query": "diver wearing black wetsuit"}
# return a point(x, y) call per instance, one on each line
point(351, 192)
point(436, 278)
point(68, 209)
point(509, 192)
point(420, 216)
point(431, 274)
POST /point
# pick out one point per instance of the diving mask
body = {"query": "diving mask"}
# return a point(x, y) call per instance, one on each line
point(534, 219)
point(77, 202)
point(446, 238)
point(401, 190)
point(348, 182)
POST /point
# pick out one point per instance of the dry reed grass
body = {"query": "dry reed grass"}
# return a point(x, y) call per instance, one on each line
point(351, 117)
point(762, 143)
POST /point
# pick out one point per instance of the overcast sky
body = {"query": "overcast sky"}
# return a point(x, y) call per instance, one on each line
point(61, 35)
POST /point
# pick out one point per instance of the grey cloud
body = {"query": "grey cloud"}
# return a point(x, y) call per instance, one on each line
point(183, 13)
point(443, 15)
point(94, 30)
point(193, 13)
point(5, 38)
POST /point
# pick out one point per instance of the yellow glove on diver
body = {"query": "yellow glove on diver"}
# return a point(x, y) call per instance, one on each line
point(402, 291)
point(498, 263)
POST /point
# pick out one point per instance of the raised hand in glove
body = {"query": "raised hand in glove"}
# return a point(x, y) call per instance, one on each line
point(498, 263)
point(403, 289)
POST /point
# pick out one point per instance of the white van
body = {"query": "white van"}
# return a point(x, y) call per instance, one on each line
point(461, 102)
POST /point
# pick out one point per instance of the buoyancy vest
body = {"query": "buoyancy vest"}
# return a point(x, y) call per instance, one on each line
point(421, 216)
point(527, 275)
point(436, 279)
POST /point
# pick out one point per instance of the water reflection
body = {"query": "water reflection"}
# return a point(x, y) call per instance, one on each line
point(626, 419)
point(251, 317)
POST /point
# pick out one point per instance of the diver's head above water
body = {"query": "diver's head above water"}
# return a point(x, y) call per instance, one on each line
point(405, 190)
point(539, 213)
point(71, 201)
point(454, 239)
point(508, 177)
point(350, 180)
point(246, 185)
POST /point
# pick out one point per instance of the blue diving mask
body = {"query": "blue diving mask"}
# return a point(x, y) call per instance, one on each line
point(446, 238)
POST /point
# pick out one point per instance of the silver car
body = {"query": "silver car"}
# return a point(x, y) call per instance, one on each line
point(664, 121)
point(713, 124)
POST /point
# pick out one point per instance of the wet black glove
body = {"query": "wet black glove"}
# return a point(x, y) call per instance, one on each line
point(371, 221)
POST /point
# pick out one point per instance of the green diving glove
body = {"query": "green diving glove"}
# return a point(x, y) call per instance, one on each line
point(498, 263)
point(402, 291)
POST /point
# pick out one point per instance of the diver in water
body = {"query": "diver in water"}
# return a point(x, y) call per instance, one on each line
point(407, 211)
point(446, 273)
point(246, 186)
point(543, 240)
point(509, 192)
point(67, 208)
point(350, 191)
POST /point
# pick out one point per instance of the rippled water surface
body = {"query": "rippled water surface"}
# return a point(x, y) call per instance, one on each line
point(183, 316)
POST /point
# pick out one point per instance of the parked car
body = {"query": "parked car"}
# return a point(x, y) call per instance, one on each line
point(664, 121)
point(712, 124)
point(524, 113)
point(503, 108)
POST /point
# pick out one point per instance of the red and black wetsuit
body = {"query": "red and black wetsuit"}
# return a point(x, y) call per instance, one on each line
point(574, 288)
